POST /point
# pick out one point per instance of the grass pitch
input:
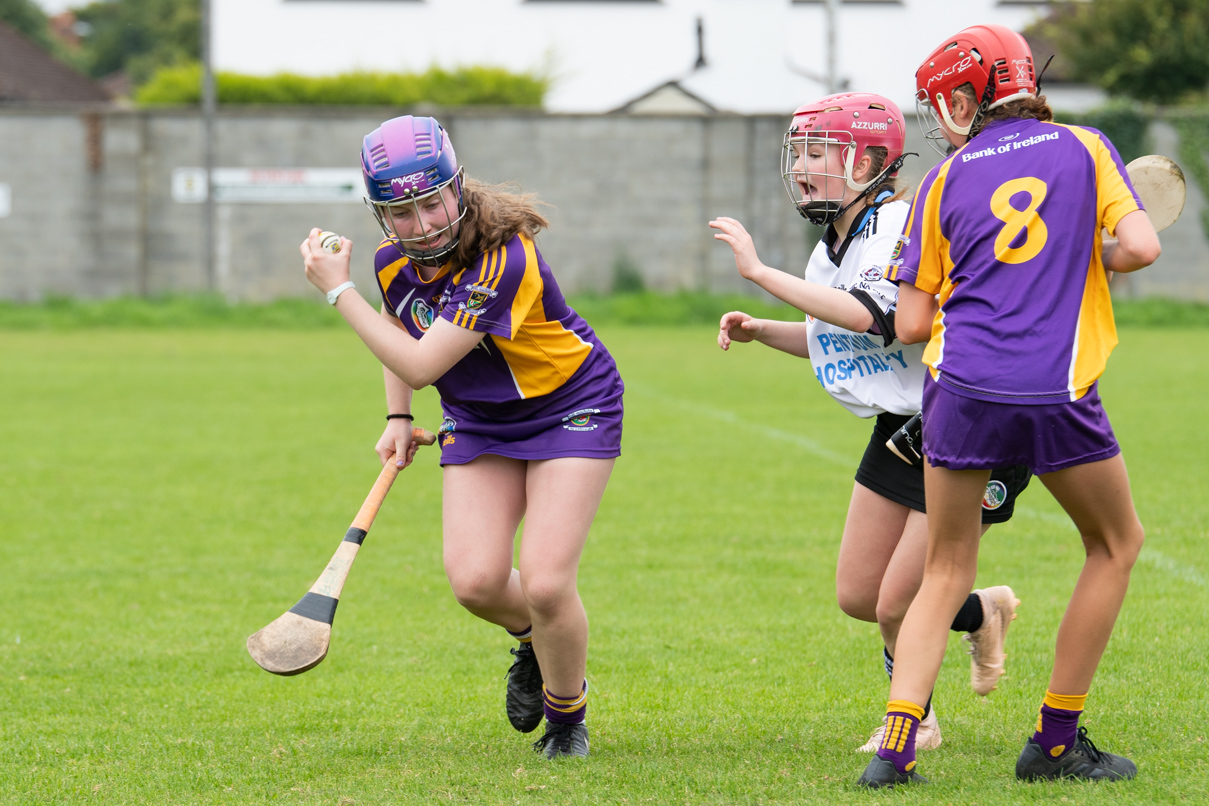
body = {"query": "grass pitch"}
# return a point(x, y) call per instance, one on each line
point(168, 492)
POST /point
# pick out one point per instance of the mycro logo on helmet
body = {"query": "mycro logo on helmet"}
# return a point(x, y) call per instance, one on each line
point(872, 125)
point(952, 70)
point(411, 179)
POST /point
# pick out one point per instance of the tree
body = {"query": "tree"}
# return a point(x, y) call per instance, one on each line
point(139, 36)
point(28, 18)
point(1148, 50)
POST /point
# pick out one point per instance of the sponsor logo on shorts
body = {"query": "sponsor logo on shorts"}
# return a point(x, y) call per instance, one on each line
point(996, 493)
point(872, 274)
point(581, 420)
point(421, 314)
point(445, 432)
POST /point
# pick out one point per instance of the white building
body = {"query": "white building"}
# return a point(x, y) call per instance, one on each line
point(759, 56)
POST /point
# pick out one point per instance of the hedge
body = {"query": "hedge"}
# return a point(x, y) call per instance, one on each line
point(460, 87)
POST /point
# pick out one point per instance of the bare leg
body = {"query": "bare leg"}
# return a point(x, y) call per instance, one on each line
point(1098, 500)
point(563, 496)
point(871, 534)
point(954, 527)
point(478, 540)
point(902, 578)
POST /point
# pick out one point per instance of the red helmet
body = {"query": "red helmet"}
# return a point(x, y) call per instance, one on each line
point(851, 122)
point(995, 59)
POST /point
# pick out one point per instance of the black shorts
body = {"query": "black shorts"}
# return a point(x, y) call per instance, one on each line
point(890, 477)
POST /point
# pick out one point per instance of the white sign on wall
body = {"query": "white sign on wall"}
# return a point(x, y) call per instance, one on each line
point(259, 185)
point(6, 200)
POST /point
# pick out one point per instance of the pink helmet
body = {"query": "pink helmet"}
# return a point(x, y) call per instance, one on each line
point(851, 122)
point(995, 59)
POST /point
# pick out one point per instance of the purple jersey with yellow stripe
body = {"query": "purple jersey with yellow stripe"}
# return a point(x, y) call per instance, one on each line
point(1007, 232)
point(537, 351)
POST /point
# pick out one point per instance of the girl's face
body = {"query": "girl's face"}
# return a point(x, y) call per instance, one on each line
point(429, 222)
point(818, 169)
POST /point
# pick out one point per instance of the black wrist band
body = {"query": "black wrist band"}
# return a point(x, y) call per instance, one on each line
point(400, 417)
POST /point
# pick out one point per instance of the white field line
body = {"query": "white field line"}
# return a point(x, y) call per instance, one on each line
point(1149, 556)
point(1182, 570)
point(797, 440)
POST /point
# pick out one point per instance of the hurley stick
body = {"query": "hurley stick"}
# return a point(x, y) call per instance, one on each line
point(298, 639)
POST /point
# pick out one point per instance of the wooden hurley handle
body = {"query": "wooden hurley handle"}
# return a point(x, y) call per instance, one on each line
point(369, 510)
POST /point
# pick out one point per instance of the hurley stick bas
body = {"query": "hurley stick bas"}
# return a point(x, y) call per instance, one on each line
point(1160, 185)
point(298, 639)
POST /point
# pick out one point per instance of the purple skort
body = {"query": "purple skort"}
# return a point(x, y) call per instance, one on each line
point(590, 428)
point(962, 433)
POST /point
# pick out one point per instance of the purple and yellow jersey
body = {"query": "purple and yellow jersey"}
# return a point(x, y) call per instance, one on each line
point(536, 347)
point(1007, 232)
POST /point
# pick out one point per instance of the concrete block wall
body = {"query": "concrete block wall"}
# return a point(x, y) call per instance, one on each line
point(92, 212)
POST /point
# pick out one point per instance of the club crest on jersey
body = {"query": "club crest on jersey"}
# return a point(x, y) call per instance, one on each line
point(421, 314)
point(872, 274)
point(995, 495)
point(581, 420)
point(898, 247)
point(479, 294)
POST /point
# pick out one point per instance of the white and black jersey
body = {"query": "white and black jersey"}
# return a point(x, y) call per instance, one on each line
point(867, 373)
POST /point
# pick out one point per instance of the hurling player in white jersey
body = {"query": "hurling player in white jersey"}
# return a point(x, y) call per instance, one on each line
point(841, 155)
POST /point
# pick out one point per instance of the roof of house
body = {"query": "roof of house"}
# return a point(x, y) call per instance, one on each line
point(29, 73)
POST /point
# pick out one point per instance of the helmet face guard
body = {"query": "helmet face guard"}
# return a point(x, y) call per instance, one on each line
point(837, 130)
point(426, 248)
point(818, 194)
point(995, 60)
point(408, 163)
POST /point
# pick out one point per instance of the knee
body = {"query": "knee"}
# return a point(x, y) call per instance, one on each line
point(890, 613)
point(546, 595)
point(476, 589)
point(855, 602)
point(1128, 545)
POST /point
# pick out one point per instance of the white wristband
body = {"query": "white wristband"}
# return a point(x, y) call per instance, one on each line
point(335, 293)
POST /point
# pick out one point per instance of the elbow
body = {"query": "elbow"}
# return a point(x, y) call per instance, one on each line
point(411, 377)
point(913, 334)
point(1151, 253)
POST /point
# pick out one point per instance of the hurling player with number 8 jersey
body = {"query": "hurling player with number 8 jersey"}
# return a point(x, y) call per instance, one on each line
point(1002, 270)
point(840, 157)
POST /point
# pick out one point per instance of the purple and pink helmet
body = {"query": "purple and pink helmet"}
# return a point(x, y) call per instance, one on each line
point(405, 161)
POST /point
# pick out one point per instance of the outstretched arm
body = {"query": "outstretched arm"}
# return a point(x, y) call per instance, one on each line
point(788, 337)
point(416, 362)
point(829, 304)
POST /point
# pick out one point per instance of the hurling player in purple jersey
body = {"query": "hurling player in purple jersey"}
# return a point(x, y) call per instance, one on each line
point(1003, 273)
point(532, 403)
point(840, 157)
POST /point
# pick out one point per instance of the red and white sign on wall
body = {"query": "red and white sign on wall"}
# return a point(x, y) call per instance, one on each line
point(276, 185)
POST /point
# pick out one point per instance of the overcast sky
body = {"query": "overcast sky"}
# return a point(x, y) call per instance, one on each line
point(55, 6)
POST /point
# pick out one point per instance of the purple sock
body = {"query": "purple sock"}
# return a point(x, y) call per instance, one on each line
point(898, 745)
point(1057, 725)
point(566, 710)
